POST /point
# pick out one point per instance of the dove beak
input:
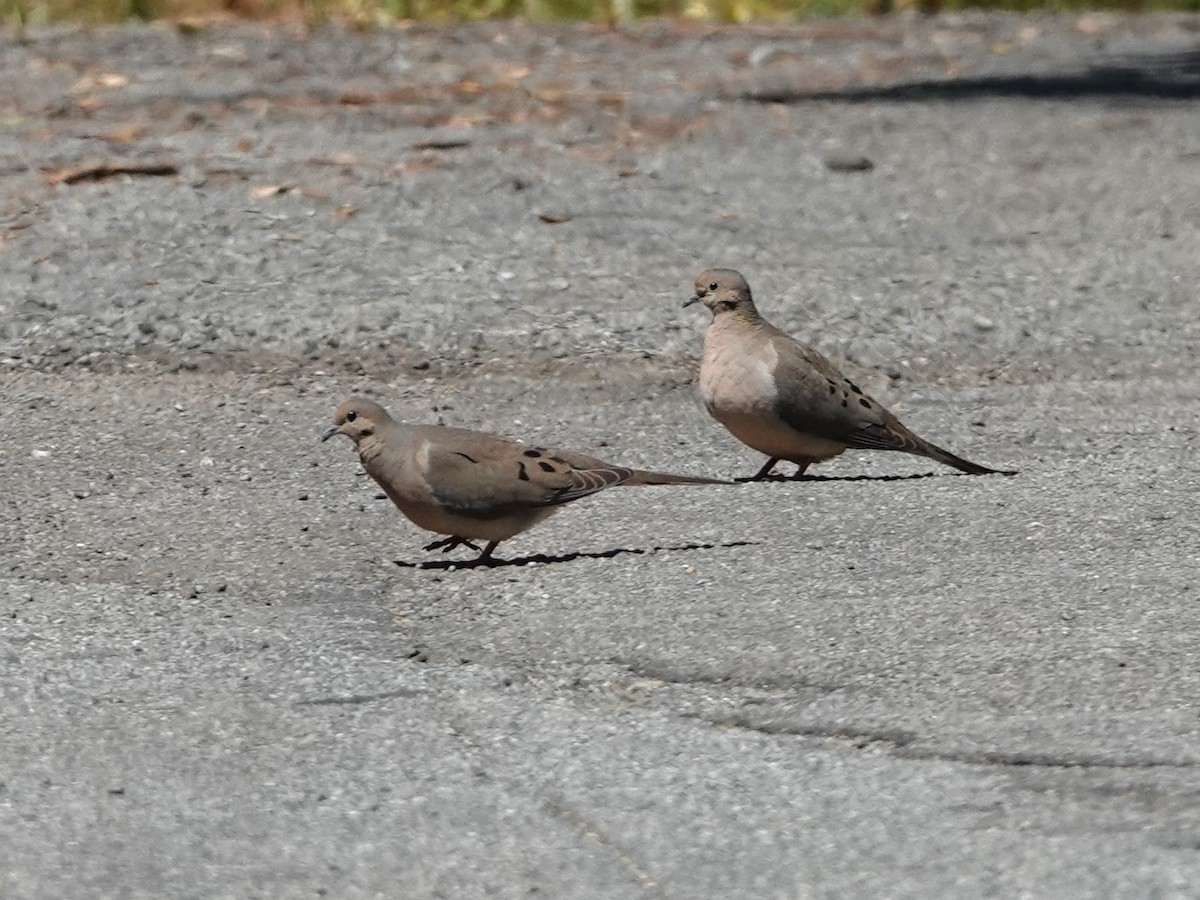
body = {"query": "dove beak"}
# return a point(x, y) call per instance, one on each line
point(330, 432)
point(694, 299)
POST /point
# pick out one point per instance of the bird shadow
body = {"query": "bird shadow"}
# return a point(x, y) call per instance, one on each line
point(792, 479)
point(1168, 76)
point(542, 558)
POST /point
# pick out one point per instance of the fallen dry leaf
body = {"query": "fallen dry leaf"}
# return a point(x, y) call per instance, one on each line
point(358, 98)
point(553, 218)
point(125, 134)
point(463, 119)
point(426, 163)
point(268, 190)
point(101, 170)
point(96, 82)
point(592, 152)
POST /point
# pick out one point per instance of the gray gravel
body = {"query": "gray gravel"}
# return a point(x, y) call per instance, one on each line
point(230, 671)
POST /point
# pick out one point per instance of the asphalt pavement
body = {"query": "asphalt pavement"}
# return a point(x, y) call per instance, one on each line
point(229, 669)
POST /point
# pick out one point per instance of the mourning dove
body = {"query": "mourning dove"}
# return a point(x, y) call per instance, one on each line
point(467, 484)
point(782, 397)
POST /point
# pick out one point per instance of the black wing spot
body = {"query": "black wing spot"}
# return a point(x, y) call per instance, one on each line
point(832, 388)
point(464, 456)
point(533, 453)
point(844, 403)
point(521, 473)
point(557, 459)
point(865, 402)
point(854, 387)
point(546, 467)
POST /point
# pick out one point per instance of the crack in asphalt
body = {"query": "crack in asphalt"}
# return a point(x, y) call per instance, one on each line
point(563, 810)
point(355, 699)
point(557, 806)
point(900, 743)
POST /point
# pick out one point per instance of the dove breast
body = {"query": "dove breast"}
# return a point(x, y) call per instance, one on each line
point(739, 387)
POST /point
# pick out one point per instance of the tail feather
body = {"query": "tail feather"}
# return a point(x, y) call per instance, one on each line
point(641, 476)
point(933, 451)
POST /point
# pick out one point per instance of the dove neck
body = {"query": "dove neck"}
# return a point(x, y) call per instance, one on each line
point(741, 315)
point(370, 447)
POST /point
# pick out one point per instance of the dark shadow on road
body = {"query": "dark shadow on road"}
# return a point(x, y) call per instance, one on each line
point(792, 479)
point(494, 563)
point(1174, 76)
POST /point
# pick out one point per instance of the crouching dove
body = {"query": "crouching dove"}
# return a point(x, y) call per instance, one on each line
point(471, 485)
point(782, 397)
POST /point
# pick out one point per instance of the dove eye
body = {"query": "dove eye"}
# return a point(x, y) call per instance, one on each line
point(713, 286)
point(351, 416)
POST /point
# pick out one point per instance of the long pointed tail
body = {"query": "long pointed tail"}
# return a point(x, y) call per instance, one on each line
point(933, 451)
point(640, 476)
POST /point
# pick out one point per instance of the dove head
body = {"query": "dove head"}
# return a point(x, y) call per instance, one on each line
point(356, 419)
point(723, 291)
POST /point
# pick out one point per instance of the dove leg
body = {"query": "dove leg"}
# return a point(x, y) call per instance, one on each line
point(765, 470)
point(800, 467)
point(487, 551)
point(448, 544)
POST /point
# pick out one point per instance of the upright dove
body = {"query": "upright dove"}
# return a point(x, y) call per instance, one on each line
point(471, 485)
point(783, 398)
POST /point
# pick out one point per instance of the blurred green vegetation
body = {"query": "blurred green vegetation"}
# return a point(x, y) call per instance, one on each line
point(23, 13)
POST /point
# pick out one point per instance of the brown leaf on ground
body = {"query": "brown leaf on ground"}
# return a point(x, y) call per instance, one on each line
point(124, 134)
point(101, 81)
point(603, 153)
point(553, 218)
point(100, 170)
point(427, 162)
point(358, 98)
point(260, 191)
